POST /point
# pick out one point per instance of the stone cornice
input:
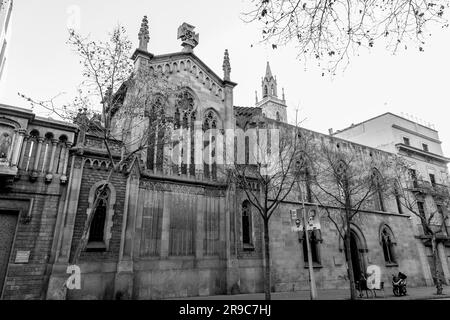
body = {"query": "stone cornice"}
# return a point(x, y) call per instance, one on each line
point(395, 126)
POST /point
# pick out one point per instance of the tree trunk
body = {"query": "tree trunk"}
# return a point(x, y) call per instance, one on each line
point(437, 274)
point(350, 265)
point(267, 277)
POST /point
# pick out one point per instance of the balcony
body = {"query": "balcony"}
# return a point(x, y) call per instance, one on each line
point(440, 191)
point(7, 172)
point(442, 234)
point(420, 186)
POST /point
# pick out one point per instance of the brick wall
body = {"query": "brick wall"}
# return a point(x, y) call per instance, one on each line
point(28, 280)
point(90, 177)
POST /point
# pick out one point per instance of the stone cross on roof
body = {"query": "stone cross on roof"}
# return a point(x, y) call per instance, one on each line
point(188, 37)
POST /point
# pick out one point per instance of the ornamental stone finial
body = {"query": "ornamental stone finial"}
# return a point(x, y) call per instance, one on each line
point(188, 37)
point(144, 36)
point(226, 66)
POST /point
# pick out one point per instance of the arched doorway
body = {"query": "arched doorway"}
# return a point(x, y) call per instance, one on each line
point(356, 259)
point(357, 249)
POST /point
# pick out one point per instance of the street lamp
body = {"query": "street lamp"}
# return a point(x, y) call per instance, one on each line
point(312, 282)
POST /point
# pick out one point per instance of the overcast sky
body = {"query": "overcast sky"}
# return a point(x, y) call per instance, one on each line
point(41, 65)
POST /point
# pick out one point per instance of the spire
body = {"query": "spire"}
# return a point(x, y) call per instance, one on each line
point(269, 84)
point(144, 36)
point(283, 95)
point(268, 71)
point(226, 66)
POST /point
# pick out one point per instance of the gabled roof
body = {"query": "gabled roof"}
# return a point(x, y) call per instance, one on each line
point(191, 55)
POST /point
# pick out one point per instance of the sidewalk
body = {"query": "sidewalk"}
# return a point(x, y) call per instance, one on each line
point(418, 293)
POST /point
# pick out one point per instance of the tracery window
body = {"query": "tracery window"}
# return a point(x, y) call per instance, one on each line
point(210, 121)
point(98, 223)
point(157, 129)
point(184, 119)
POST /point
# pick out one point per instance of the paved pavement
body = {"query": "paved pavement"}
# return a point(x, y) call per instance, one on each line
point(417, 293)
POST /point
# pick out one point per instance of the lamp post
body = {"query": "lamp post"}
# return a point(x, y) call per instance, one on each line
point(312, 282)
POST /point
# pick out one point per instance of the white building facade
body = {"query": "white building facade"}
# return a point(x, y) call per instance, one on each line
point(421, 148)
point(6, 7)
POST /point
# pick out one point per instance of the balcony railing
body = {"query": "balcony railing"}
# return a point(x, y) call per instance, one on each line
point(422, 186)
point(7, 171)
point(440, 230)
point(440, 190)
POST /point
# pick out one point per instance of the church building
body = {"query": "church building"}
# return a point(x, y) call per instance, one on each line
point(163, 228)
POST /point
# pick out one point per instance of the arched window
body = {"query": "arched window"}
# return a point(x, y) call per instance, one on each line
point(247, 238)
point(102, 198)
point(272, 90)
point(156, 133)
point(185, 116)
point(265, 91)
point(97, 228)
point(278, 116)
point(31, 153)
point(211, 122)
point(388, 243)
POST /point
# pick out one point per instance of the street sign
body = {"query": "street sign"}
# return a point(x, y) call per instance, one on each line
point(296, 225)
point(313, 219)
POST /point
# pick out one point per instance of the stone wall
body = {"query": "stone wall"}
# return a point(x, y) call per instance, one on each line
point(289, 271)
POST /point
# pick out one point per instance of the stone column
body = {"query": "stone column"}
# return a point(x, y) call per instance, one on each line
point(124, 276)
point(50, 172)
point(188, 149)
point(44, 162)
point(202, 202)
point(155, 147)
point(64, 241)
point(17, 147)
point(198, 149)
point(168, 150)
point(63, 178)
point(40, 140)
point(22, 153)
point(165, 233)
point(34, 172)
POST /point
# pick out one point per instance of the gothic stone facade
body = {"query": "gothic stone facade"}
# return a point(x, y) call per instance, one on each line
point(165, 230)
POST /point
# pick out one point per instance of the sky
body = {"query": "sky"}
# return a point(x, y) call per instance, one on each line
point(41, 65)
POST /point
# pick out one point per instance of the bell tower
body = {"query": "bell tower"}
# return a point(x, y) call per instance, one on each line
point(272, 107)
point(269, 84)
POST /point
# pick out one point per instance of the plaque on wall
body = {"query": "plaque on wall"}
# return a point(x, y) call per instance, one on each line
point(22, 257)
point(338, 260)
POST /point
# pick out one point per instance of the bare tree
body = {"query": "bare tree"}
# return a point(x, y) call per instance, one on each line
point(411, 190)
point(331, 30)
point(345, 183)
point(268, 175)
point(128, 100)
